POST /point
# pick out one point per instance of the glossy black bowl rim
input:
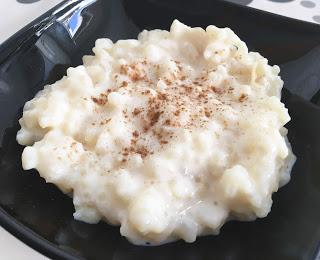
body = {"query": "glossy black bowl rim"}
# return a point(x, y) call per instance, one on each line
point(31, 238)
point(8, 222)
point(10, 47)
point(13, 43)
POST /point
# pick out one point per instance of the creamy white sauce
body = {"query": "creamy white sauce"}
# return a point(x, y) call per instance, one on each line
point(168, 136)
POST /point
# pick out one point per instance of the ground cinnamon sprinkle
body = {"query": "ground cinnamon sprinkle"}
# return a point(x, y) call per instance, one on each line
point(123, 69)
point(133, 71)
point(216, 90)
point(188, 89)
point(167, 122)
point(135, 134)
point(177, 113)
point(135, 76)
point(201, 95)
point(146, 128)
point(124, 84)
point(167, 81)
point(99, 101)
point(243, 97)
point(106, 121)
point(192, 97)
point(131, 148)
point(178, 63)
point(162, 96)
point(207, 113)
point(136, 111)
point(154, 117)
point(143, 151)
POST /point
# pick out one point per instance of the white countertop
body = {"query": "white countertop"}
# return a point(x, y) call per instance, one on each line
point(19, 13)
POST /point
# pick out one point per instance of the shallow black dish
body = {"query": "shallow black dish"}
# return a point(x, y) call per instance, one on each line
point(41, 216)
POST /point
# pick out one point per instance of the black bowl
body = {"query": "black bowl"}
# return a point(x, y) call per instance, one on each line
point(41, 216)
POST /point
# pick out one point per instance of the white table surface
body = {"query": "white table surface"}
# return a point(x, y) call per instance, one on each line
point(18, 13)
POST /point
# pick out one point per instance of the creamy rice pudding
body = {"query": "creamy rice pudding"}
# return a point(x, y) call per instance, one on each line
point(168, 136)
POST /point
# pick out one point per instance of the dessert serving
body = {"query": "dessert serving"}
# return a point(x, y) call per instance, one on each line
point(168, 136)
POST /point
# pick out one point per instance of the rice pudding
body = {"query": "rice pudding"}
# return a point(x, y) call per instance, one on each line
point(168, 136)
